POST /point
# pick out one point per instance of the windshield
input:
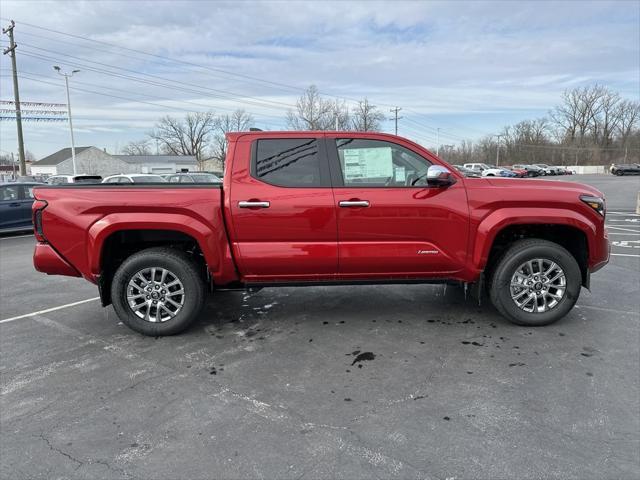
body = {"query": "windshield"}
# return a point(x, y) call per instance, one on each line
point(148, 179)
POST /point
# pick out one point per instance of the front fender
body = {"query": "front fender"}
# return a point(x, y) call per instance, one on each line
point(496, 221)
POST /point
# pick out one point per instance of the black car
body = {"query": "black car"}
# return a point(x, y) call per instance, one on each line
point(15, 206)
point(625, 169)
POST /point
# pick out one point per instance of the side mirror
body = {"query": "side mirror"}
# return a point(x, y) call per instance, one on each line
point(439, 176)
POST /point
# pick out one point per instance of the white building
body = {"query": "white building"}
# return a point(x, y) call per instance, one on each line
point(93, 161)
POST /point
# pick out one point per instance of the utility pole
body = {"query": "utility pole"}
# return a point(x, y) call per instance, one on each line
point(73, 145)
point(498, 149)
point(396, 117)
point(438, 142)
point(16, 95)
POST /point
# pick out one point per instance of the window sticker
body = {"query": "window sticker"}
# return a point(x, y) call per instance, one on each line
point(399, 174)
point(367, 163)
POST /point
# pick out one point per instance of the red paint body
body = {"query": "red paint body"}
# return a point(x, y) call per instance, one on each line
point(406, 233)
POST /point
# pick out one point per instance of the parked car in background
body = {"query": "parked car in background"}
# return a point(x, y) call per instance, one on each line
point(625, 169)
point(546, 169)
point(467, 172)
point(15, 206)
point(519, 172)
point(28, 179)
point(562, 170)
point(62, 179)
point(497, 172)
point(476, 167)
point(134, 178)
point(532, 170)
point(192, 177)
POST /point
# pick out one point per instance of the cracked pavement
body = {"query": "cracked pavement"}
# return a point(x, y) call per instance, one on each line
point(267, 385)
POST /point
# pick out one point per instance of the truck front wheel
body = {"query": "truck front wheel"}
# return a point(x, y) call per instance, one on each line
point(158, 291)
point(535, 282)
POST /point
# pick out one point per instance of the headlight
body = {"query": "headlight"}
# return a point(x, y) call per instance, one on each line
point(597, 203)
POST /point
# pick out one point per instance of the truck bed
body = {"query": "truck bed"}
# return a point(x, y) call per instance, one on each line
point(79, 219)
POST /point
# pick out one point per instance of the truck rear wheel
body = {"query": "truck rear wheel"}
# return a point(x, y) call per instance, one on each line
point(536, 282)
point(158, 291)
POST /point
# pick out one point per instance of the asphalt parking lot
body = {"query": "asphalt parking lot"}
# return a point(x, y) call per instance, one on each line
point(274, 384)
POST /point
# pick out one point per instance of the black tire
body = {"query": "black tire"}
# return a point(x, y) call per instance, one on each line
point(619, 173)
point(180, 266)
point(519, 253)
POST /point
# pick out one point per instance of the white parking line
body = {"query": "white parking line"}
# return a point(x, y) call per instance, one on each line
point(629, 214)
point(624, 255)
point(623, 229)
point(49, 310)
point(17, 236)
point(603, 309)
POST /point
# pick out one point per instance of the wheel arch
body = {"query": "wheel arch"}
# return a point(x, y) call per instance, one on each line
point(567, 228)
point(114, 237)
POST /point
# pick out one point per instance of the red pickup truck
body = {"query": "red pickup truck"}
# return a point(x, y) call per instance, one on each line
point(319, 208)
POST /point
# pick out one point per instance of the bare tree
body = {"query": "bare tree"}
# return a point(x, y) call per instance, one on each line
point(136, 147)
point(312, 112)
point(366, 117)
point(629, 118)
point(238, 121)
point(190, 136)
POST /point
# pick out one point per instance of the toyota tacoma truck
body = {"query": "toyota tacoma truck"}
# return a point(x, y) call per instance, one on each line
point(323, 208)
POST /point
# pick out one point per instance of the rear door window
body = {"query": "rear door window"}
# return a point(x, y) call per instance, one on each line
point(290, 162)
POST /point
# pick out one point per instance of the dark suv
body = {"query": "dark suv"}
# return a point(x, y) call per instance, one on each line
point(625, 169)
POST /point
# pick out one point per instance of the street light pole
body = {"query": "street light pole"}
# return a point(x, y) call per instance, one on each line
point(438, 143)
point(498, 149)
point(73, 144)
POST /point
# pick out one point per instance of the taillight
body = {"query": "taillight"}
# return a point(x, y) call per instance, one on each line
point(37, 208)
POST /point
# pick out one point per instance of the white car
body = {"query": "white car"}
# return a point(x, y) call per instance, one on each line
point(547, 169)
point(134, 178)
point(476, 167)
point(64, 179)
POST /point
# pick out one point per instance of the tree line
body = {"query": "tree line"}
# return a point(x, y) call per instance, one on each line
point(592, 125)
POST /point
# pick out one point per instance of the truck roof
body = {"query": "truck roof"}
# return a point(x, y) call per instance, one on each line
point(231, 136)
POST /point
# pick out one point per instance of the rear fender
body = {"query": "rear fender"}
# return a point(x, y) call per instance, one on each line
point(493, 223)
point(212, 242)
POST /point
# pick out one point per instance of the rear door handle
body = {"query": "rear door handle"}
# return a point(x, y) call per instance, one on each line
point(354, 203)
point(252, 204)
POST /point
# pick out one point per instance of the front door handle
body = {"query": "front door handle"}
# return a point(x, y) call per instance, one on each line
point(253, 204)
point(14, 204)
point(354, 203)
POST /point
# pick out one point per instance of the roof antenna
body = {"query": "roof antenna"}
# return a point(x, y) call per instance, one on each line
point(255, 129)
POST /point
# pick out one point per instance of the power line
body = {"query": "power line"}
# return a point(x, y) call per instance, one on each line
point(22, 75)
point(220, 93)
point(204, 67)
point(147, 95)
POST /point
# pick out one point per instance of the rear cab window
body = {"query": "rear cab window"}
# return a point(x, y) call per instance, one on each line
point(290, 162)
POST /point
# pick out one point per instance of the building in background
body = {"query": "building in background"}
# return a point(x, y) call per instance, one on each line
point(159, 163)
point(93, 161)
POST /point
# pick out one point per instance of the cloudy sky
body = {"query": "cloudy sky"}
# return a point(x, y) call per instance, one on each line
point(468, 68)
